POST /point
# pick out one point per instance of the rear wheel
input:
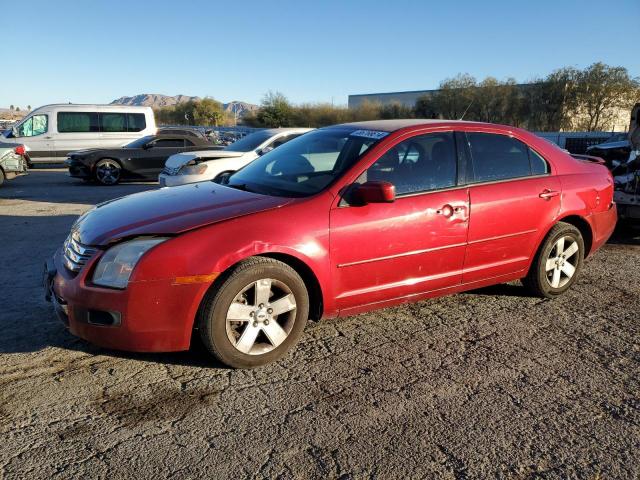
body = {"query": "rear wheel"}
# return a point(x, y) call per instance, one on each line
point(108, 172)
point(557, 263)
point(1, 177)
point(256, 314)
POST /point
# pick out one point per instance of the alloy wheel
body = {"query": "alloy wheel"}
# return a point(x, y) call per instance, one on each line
point(108, 172)
point(261, 316)
point(562, 261)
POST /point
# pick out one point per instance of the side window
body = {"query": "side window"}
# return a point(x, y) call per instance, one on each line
point(77, 122)
point(188, 143)
point(418, 164)
point(33, 126)
point(497, 157)
point(539, 165)
point(113, 122)
point(282, 140)
point(169, 143)
point(136, 122)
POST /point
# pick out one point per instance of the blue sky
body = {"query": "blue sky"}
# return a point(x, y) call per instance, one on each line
point(95, 51)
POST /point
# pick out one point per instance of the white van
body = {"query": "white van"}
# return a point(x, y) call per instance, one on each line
point(52, 131)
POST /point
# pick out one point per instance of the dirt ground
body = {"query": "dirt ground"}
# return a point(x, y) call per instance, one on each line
point(487, 384)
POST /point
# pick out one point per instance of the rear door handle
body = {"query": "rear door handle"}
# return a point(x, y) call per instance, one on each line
point(548, 194)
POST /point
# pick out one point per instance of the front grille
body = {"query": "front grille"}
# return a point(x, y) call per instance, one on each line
point(171, 171)
point(76, 254)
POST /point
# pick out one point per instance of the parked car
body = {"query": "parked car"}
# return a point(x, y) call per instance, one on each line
point(142, 159)
point(200, 166)
point(14, 161)
point(188, 131)
point(49, 133)
point(338, 221)
point(612, 152)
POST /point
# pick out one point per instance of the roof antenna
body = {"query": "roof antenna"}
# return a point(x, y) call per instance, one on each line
point(466, 110)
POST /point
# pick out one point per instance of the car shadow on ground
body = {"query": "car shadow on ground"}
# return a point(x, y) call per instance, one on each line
point(627, 232)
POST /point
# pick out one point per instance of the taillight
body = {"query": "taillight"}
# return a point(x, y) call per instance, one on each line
point(20, 150)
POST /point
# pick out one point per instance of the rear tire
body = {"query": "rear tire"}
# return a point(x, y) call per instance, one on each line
point(254, 313)
point(107, 172)
point(557, 263)
point(1, 177)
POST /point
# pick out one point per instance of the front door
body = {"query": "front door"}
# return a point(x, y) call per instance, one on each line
point(384, 251)
point(35, 134)
point(150, 162)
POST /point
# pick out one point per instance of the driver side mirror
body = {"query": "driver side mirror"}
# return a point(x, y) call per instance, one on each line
point(376, 192)
point(147, 146)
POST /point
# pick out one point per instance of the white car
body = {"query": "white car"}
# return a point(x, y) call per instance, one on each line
point(191, 167)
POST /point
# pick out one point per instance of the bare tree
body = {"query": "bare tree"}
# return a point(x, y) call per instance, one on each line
point(601, 91)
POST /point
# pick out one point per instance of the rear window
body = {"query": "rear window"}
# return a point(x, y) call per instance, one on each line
point(113, 122)
point(86, 122)
point(136, 122)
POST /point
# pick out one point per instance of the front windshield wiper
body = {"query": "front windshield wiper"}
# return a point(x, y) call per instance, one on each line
point(240, 186)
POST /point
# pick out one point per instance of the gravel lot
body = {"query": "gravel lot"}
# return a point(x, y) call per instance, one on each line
point(478, 385)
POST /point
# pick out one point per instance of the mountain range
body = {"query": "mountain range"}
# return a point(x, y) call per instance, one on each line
point(155, 100)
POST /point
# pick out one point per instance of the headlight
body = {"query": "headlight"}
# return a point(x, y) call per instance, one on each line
point(115, 266)
point(196, 169)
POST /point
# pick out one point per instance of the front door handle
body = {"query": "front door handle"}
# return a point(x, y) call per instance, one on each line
point(445, 210)
point(547, 194)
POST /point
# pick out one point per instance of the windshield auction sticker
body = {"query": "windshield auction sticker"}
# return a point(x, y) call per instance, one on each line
point(375, 134)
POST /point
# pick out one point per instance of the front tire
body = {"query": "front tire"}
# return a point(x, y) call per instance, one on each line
point(108, 172)
point(255, 313)
point(557, 263)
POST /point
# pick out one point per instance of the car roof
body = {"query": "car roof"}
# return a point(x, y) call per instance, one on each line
point(275, 131)
point(397, 124)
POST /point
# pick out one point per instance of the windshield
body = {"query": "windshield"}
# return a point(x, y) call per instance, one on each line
point(139, 143)
point(306, 165)
point(250, 142)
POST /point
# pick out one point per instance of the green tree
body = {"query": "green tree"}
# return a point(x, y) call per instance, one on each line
point(427, 107)
point(456, 96)
point(275, 111)
point(208, 112)
point(395, 110)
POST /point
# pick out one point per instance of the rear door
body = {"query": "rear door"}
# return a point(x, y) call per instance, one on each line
point(385, 251)
point(513, 198)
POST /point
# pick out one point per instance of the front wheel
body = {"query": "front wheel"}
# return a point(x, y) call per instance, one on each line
point(557, 263)
point(255, 313)
point(108, 172)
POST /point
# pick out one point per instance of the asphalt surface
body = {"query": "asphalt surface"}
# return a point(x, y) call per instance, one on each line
point(488, 384)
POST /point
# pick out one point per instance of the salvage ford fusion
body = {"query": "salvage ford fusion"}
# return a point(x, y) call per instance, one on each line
point(341, 220)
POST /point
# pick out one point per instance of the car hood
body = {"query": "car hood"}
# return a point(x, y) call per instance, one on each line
point(180, 159)
point(169, 211)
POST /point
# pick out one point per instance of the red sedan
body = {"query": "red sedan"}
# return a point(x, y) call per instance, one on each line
point(341, 220)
